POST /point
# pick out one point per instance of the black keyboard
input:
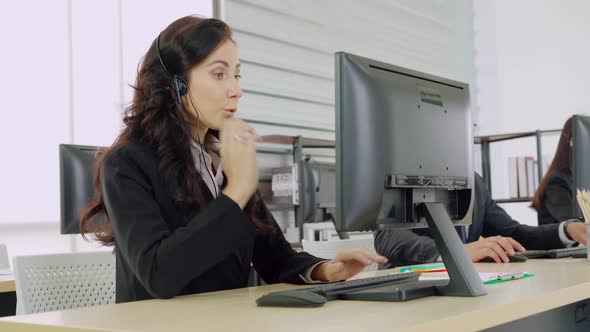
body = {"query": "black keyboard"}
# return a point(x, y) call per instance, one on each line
point(557, 253)
point(400, 284)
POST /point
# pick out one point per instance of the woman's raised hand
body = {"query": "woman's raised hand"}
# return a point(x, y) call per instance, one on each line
point(238, 155)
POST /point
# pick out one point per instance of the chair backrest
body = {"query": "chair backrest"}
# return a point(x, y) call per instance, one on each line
point(64, 281)
point(329, 249)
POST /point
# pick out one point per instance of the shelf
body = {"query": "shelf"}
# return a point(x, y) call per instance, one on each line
point(306, 142)
point(485, 144)
point(324, 143)
point(504, 137)
point(280, 206)
point(513, 200)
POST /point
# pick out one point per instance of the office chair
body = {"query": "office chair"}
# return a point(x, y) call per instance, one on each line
point(76, 185)
point(64, 281)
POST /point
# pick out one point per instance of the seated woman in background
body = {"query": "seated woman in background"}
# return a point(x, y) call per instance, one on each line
point(176, 192)
point(554, 200)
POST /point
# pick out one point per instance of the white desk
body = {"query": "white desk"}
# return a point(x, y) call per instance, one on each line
point(557, 284)
point(7, 283)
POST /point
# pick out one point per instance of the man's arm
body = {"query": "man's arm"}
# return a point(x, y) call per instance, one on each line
point(404, 247)
point(558, 199)
point(498, 222)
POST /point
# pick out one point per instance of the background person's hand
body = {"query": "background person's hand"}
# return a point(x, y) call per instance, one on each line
point(496, 247)
point(238, 155)
point(345, 265)
point(577, 230)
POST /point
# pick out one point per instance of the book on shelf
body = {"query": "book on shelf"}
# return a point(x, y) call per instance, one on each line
point(523, 178)
point(536, 175)
point(512, 177)
point(530, 176)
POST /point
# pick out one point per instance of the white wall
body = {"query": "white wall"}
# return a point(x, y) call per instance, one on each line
point(35, 107)
point(66, 67)
point(532, 69)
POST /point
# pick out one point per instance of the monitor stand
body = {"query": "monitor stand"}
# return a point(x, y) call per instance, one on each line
point(464, 279)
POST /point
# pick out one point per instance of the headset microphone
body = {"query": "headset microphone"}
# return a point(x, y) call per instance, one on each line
point(180, 87)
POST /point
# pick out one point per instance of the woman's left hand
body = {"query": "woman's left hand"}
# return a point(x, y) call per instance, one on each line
point(346, 264)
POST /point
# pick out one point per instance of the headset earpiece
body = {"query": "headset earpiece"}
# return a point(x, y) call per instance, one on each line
point(180, 85)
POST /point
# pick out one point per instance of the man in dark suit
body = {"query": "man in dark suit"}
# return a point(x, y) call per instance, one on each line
point(503, 236)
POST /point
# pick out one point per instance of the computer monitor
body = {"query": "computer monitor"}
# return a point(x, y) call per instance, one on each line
point(76, 171)
point(580, 157)
point(403, 157)
point(403, 137)
point(310, 182)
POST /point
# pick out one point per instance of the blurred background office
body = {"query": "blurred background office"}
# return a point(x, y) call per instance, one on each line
point(67, 66)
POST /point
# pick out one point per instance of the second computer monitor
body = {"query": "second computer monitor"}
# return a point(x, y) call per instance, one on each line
point(402, 137)
point(76, 171)
point(580, 156)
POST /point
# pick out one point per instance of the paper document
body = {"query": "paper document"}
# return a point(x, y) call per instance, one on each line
point(486, 277)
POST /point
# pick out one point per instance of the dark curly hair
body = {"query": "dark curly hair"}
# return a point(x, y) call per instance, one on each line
point(156, 118)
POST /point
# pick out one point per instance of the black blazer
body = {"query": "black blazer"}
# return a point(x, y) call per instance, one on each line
point(162, 253)
point(556, 200)
point(406, 247)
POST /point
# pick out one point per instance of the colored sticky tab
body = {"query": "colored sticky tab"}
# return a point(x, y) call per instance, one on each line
point(425, 268)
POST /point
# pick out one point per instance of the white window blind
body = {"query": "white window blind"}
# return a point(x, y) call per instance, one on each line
point(287, 51)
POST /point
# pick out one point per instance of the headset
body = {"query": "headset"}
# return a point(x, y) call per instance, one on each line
point(178, 83)
point(180, 87)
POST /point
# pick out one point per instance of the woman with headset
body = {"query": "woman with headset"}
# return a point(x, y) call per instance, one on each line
point(176, 192)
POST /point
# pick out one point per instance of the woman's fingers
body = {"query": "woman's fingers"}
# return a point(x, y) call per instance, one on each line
point(333, 268)
point(350, 262)
point(364, 256)
point(240, 131)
